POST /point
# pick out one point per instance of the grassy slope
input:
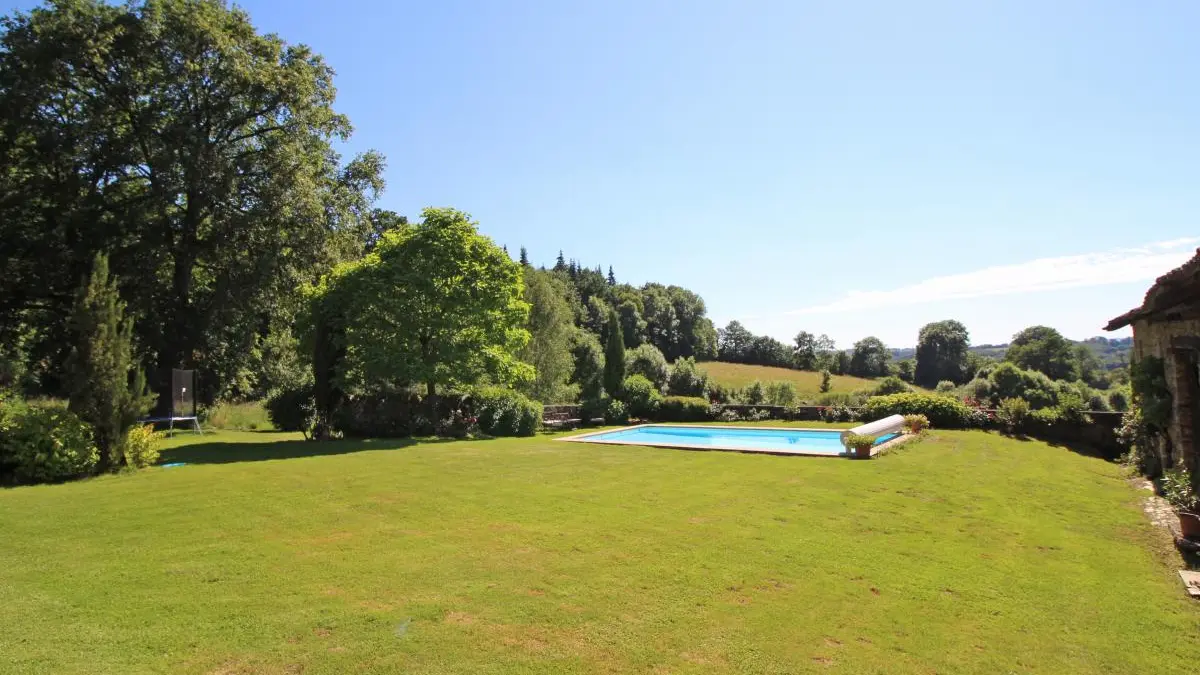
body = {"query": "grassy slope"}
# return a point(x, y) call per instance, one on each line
point(963, 553)
point(740, 375)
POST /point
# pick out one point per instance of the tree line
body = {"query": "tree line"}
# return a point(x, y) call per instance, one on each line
point(942, 354)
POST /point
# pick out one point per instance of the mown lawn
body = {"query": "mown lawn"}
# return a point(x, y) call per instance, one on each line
point(740, 375)
point(965, 552)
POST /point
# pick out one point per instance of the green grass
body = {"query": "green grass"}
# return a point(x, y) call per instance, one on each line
point(806, 382)
point(965, 552)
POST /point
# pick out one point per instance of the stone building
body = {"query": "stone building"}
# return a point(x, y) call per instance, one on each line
point(1167, 326)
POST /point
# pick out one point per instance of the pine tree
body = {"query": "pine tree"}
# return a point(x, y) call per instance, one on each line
point(505, 247)
point(560, 265)
point(573, 269)
point(612, 278)
point(614, 356)
point(524, 257)
point(100, 366)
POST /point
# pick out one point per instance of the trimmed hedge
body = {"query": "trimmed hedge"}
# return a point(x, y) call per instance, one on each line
point(684, 409)
point(943, 412)
point(504, 412)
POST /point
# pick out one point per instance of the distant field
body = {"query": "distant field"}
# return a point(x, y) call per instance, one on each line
point(740, 375)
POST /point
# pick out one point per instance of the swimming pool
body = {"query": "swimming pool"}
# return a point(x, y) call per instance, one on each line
point(824, 442)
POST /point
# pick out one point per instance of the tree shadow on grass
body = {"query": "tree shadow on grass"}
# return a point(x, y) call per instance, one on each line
point(1078, 447)
point(223, 452)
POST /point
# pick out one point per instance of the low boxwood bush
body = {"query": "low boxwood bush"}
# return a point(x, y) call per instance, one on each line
point(942, 411)
point(684, 409)
point(43, 444)
point(504, 412)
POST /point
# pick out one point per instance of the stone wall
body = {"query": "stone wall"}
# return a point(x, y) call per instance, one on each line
point(1153, 338)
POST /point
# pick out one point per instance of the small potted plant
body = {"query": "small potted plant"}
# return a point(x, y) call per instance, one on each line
point(915, 424)
point(1177, 490)
point(861, 444)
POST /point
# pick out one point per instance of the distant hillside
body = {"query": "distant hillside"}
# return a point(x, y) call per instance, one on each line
point(1112, 353)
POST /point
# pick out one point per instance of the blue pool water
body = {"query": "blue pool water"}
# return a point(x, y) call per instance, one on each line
point(797, 441)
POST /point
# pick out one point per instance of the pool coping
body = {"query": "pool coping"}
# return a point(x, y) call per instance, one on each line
point(583, 438)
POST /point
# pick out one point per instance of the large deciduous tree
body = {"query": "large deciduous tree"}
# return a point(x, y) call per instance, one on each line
point(870, 358)
point(195, 151)
point(941, 353)
point(1045, 350)
point(811, 351)
point(434, 303)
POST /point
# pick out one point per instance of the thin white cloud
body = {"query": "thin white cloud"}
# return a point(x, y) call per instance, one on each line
point(1044, 274)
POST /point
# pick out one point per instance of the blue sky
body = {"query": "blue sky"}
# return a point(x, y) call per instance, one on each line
point(843, 167)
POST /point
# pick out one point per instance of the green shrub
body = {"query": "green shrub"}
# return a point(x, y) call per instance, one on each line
point(1070, 409)
point(616, 412)
point(916, 423)
point(646, 360)
point(890, 385)
point(944, 387)
point(641, 397)
point(684, 409)
point(979, 390)
point(826, 381)
point(1176, 488)
point(293, 409)
point(1009, 381)
point(719, 393)
point(141, 446)
point(1118, 399)
point(1013, 413)
point(44, 444)
point(504, 412)
point(942, 411)
point(754, 394)
point(781, 393)
point(687, 379)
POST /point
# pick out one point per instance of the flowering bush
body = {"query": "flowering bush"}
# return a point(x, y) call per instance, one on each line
point(837, 413)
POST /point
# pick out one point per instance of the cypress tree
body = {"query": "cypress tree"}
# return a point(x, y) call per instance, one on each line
point(614, 356)
point(100, 366)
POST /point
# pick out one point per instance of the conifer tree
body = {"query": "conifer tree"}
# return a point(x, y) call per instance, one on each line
point(614, 356)
point(100, 367)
